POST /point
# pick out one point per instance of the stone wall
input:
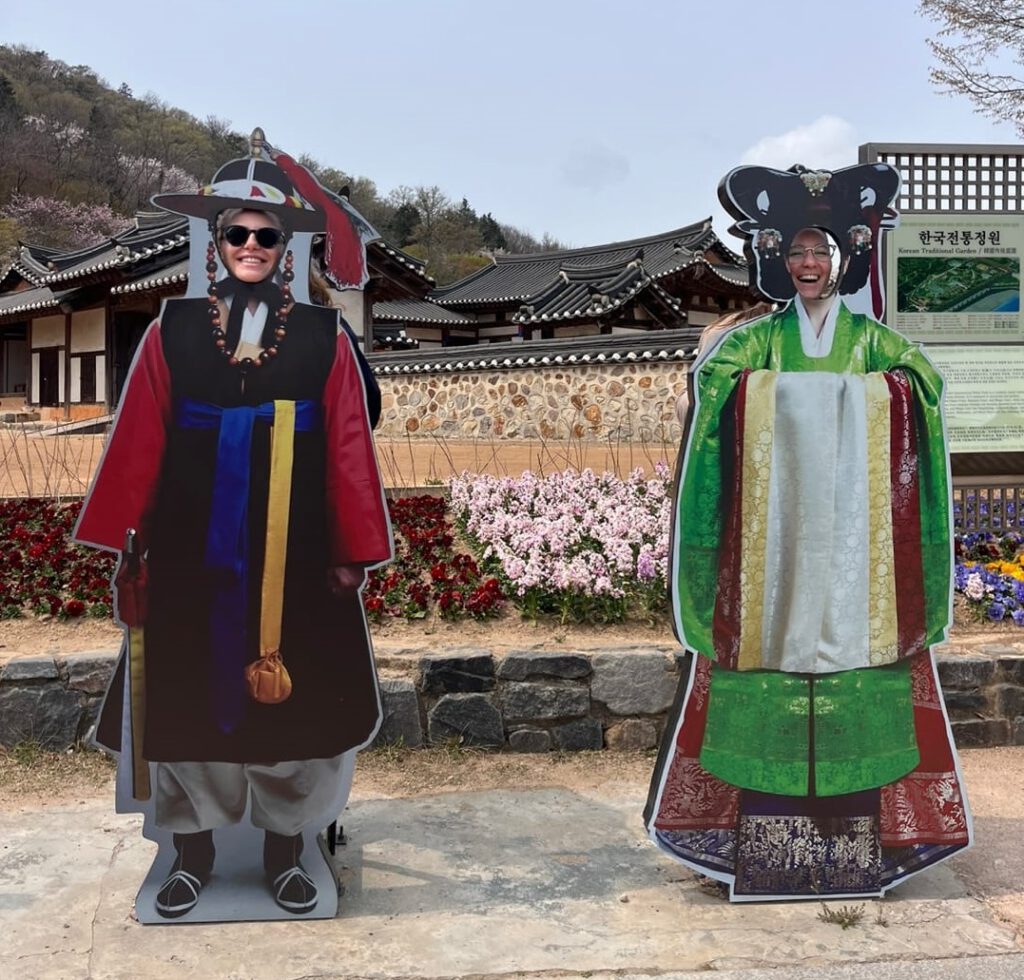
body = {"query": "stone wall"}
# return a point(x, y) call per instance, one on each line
point(528, 701)
point(625, 400)
point(533, 701)
point(52, 701)
point(984, 695)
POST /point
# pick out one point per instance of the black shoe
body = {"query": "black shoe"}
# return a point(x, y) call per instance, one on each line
point(294, 890)
point(290, 884)
point(180, 892)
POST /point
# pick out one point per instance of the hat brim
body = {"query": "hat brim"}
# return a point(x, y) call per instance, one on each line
point(210, 205)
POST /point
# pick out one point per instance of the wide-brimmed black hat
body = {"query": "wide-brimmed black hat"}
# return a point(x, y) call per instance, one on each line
point(251, 183)
point(853, 204)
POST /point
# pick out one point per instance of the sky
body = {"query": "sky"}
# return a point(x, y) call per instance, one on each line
point(591, 120)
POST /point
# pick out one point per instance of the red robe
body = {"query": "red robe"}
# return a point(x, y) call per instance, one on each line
point(156, 476)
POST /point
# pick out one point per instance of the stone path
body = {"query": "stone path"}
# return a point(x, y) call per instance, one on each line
point(512, 883)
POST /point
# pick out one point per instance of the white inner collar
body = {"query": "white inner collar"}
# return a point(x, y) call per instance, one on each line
point(817, 345)
point(252, 323)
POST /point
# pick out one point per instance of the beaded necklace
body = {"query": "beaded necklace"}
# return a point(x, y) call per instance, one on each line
point(280, 331)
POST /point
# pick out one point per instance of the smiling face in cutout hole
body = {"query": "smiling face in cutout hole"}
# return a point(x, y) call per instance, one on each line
point(250, 262)
point(810, 260)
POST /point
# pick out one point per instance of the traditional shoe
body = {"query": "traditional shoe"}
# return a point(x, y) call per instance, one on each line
point(180, 891)
point(294, 890)
point(290, 884)
point(178, 894)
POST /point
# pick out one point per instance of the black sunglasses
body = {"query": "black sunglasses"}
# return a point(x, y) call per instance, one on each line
point(238, 235)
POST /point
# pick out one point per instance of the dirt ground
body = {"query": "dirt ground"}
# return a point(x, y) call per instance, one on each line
point(33, 779)
point(43, 465)
point(28, 637)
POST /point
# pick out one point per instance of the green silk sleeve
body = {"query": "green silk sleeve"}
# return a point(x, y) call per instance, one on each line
point(702, 503)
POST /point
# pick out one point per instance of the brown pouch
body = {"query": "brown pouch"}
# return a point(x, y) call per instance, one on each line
point(268, 680)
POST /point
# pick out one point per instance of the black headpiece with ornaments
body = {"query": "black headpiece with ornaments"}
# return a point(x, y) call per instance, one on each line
point(853, 205)
point(253, 183)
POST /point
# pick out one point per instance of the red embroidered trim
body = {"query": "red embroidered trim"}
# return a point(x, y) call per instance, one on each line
point(906, 518)
point(693, 799)
point(726, 623)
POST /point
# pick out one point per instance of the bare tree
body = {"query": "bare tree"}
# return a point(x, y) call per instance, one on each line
point(975, 38)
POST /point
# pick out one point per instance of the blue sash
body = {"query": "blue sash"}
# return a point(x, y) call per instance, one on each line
point(227, 539)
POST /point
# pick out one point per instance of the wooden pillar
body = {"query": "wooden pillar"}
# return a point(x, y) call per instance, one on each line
point(368, 291)
point(67, 365)
point(108, 354)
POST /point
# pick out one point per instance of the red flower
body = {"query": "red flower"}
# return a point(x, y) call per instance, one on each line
point(439, 572)
point(74, 607)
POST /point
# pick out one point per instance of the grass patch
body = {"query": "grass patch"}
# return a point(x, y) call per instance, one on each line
point(29, 770)
point(844, 916)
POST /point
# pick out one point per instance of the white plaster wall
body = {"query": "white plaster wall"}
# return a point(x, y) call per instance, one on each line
point(76, 379)
point(61, 368)
point(101, 378)
point(47, 331)
point(88, 331)
point(351, 303)
point(34, 385)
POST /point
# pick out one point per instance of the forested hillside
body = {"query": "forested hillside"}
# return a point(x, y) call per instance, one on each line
point(78, 158)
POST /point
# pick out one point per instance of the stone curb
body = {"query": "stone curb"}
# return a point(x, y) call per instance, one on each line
point(527, 700)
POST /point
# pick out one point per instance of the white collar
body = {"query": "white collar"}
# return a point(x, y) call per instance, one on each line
point(252, 322)
point(817, 345)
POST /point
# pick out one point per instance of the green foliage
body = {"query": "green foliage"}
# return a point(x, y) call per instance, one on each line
point(844, 916)
point(403, 224)
point(68, 135)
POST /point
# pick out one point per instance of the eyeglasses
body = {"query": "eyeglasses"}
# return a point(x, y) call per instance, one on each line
point(238, 235)
point(823, 252)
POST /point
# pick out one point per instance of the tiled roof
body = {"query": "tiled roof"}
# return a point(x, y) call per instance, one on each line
point(591, 293)
point(153, 235)
point(517, 278)
point(171, 276)
point(146, 238)
point(402, 258)
point(34, 300)
point(662, 345)
point(417, 311)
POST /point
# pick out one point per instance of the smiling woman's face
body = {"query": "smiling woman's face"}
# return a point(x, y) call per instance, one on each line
point(809, 259)
point(250, 261)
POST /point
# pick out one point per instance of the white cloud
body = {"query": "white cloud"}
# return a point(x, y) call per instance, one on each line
point(594, 166)
point(828, 143)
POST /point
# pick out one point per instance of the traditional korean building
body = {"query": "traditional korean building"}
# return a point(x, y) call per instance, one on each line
point(680, 278)
point(70, 320)
point(67, 338)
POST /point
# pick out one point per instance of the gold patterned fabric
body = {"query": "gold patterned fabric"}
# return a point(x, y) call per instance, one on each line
point(882, 623)
point(759, 423)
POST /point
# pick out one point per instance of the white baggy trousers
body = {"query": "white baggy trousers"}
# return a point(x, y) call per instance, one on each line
point(286, 796)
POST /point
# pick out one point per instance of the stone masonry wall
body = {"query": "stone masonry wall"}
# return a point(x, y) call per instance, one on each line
point(527, 700)
point(623, 401)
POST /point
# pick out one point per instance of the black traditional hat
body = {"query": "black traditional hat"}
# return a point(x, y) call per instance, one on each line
point(253, 183)
point(771, 206)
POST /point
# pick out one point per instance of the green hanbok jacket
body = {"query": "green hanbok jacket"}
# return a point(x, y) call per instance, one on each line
point(861, 345)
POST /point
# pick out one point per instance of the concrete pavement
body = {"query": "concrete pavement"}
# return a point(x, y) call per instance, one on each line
point(551, 882)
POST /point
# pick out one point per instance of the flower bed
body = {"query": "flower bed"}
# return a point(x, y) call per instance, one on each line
point(990, 574)
point(427, 570)
point(584, 546)
point(42, 571)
